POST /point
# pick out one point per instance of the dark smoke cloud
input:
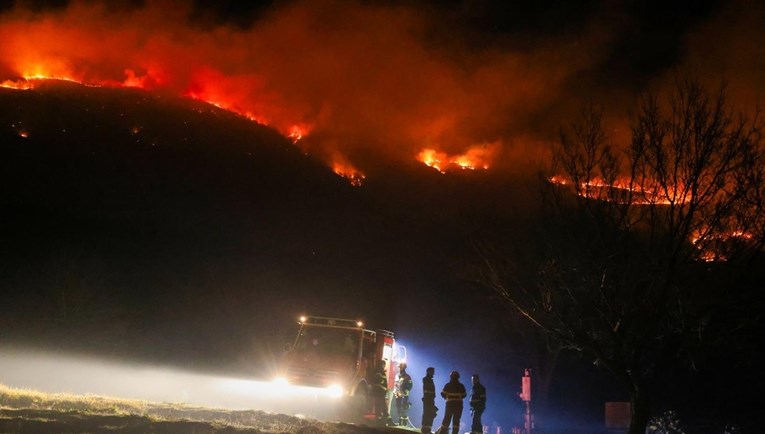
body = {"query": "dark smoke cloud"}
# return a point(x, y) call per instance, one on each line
point(730, 47)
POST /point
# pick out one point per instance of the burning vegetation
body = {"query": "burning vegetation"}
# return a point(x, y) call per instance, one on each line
point(476, 157)
point(337, 79)
point(640, 248)
point(692, 174)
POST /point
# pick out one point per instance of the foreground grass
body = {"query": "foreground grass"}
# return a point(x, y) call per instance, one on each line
point(28, 411)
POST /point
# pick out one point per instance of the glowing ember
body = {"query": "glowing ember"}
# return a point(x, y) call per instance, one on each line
point(646, 193)
point(557, 179)
point(347, 171)
point(699, 236)
point(706, 241)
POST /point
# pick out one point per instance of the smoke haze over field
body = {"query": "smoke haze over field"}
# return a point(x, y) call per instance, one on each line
point(488, 81)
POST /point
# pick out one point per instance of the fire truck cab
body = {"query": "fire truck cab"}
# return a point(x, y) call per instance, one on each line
point(340, 355)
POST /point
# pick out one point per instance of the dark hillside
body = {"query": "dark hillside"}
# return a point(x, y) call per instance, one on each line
point(171, 227)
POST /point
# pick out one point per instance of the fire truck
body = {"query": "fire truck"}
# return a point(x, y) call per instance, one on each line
point(339, 355)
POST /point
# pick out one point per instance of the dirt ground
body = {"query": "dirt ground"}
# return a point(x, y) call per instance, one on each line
point(54, 421)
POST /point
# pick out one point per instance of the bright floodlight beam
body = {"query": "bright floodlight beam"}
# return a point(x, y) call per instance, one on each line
point(62, 373)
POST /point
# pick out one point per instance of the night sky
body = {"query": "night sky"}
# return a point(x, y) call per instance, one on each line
point(195, 235)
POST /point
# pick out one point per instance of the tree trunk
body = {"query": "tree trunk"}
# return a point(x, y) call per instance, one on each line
point(543, 375)
point(640, 407)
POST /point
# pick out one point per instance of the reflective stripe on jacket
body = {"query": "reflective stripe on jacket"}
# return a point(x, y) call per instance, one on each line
point(428, 388)
point(454, 391)
point(478, 396)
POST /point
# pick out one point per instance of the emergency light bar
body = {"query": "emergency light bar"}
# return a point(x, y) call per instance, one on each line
point(330, 322)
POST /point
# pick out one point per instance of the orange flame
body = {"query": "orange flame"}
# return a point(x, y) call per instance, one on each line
point(434, 159)
point(297, 132)
point(292, 68)
point(643, 193)
point(476, 157)
point(342, 167)
point(20, 84)
point(597, 189)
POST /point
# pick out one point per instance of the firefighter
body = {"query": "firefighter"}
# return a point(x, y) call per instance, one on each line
point(402, 388)
point(429, 408)
point(454, 393)
point(477, 404)
point(379, 392)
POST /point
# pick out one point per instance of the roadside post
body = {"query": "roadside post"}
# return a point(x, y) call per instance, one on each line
point(528, 418)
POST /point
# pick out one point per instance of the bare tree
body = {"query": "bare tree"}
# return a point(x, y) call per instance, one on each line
point(630, 238)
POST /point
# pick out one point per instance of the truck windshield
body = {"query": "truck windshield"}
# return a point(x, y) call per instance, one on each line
point(326, 340)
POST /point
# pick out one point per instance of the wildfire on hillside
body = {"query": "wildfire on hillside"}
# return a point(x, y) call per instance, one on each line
point(476, 157)
point(20, 84)
point(297, 132)
point(708, 243)
point(347, 171)
point(366, 76)
point(374, 82)
point(625, 190)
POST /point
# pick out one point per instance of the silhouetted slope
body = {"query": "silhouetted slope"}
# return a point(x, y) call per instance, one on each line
point(179, 228)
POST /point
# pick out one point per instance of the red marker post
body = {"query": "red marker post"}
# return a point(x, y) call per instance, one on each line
point(528, 418)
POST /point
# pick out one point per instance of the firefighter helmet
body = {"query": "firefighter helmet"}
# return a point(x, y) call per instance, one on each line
point(454, 374)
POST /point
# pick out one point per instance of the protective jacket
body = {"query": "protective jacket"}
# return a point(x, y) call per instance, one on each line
point(403, 384)
point(429, 408)
point(379, 383)
point(428, 390)
point(478, 397)
point(453, 392)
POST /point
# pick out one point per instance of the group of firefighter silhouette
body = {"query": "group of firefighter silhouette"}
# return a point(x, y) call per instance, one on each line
point(453, 393)
point(369, 367)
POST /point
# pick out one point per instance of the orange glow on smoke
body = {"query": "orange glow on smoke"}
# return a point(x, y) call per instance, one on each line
point(361, 78)
point(151, 80)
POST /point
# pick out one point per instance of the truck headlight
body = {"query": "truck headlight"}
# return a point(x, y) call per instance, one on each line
point(335, 390)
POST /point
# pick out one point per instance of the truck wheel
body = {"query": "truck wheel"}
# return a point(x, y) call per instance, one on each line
point(359, 404)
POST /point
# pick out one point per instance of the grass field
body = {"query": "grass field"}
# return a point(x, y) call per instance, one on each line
point(28, 411)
